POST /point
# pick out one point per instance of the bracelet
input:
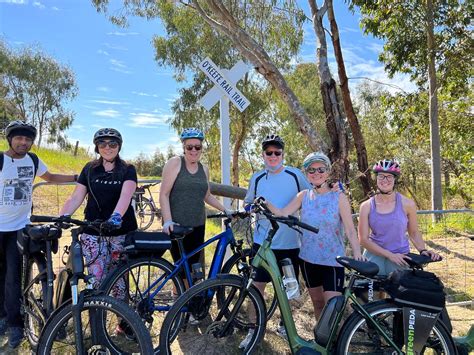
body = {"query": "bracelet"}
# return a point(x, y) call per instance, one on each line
point(76, 177)
point(422, 250)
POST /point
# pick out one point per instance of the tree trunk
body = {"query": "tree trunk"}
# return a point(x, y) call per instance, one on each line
point(359, 143)
point(334, 119)
point(436, 190)
point(224, 22)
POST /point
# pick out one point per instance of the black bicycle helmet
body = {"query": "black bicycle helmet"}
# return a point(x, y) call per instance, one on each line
point(272, 139)
point(107, 133)
point(20, 128)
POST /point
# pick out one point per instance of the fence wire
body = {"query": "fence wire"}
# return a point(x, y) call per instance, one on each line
point(451, 235)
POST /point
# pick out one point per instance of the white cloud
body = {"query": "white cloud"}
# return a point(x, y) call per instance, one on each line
point(101, 51)
point(119, 66)
point(15, 2)
point(148, 120)
point(106, 113)
point(110, 102)
point(102, 88)
point(116, 33)
point(119, 48)
point(38, 5)
point(144, 94)
point(54, 8)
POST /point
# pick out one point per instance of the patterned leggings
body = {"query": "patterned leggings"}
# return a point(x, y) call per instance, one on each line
point(102, 256)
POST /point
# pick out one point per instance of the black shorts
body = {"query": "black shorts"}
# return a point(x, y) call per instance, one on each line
point(190, 242)
point(262, 275)
point(330, 277)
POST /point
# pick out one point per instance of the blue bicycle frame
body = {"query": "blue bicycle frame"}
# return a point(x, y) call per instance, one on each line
point(225, 238)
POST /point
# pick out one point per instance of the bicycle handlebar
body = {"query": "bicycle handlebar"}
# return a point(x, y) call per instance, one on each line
point(146, 186)
point(235, 214)
point(65, 222)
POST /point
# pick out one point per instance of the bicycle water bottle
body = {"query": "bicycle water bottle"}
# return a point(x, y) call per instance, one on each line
point(290, 282)
point(196, 272)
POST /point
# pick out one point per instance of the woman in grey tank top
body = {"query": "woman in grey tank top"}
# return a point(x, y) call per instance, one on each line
point(389, 216)
point(184, 190)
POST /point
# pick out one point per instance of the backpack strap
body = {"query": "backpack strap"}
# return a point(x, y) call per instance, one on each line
point(33, 157)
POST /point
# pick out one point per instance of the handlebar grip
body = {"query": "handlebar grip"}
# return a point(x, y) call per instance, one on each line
point(217, 215)
point(43, 219)
point(308, 227)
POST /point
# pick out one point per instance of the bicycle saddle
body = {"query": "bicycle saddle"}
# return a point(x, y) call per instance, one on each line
point(366, 268)
point(44, 232)
point(180, 232)
point(418, 261)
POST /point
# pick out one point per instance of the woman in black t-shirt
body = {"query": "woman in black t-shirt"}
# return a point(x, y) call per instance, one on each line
point(109, 183)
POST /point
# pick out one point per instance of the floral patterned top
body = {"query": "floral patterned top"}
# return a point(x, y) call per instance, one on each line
point(322, 211)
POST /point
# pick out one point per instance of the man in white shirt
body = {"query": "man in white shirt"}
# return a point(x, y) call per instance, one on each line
point(18, 168)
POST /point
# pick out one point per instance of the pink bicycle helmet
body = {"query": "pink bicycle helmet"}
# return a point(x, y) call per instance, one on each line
point(387, 166)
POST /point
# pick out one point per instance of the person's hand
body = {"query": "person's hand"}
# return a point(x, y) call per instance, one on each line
point(114, 221)
point(399, 259)
point(360, 257)
point(168, 227)
point(337, 187)
point(434, 256)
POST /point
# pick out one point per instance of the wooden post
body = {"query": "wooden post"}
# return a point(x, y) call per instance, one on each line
point(76, 148)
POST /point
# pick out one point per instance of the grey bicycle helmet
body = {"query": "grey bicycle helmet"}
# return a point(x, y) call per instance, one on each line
point(108, 133)
point(273, 139)
point(316, 157)
point(20, 128)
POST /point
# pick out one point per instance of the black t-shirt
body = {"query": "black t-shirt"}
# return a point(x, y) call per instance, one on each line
point(106, 187)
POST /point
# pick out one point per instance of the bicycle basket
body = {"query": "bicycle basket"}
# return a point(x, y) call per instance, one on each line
point(155, 243)
point(418, 289)
point(27, 245)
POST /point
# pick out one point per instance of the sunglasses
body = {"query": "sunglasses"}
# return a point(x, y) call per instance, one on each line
point(111, 144)
point(320, 170)
point(389, 178)
point(277, 153)
point(196, 147)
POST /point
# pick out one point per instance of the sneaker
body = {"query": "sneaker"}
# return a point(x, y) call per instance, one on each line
point(281, 331)
point(247, 339)
point(192, 320)
point(15, 337)
point(123, 329)
point(3, 326)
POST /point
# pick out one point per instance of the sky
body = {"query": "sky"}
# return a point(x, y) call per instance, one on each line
point(121, 85)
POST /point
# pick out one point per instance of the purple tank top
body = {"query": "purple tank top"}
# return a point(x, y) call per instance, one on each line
point(389, 230)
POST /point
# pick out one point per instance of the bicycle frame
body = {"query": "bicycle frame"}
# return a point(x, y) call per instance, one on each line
point(224, 239)
point(265, 258)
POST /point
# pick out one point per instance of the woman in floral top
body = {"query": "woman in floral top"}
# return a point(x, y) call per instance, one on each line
point(330, 212)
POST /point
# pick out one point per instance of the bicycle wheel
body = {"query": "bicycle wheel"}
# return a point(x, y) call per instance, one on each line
point(33, 298)
point(58, 335)
point(356, 336)
point(135, 278)
point(145, 213)
point(202, 331)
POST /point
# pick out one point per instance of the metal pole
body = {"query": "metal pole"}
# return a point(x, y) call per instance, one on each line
point(225, 144)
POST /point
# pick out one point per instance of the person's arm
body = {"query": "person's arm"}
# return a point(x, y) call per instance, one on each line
point(170, 172)
point(128, 188)
point(413, 230)
point(290, 208)
point(47, 176)
point(210, 199)
point(74, 201)
point(363, 231)
point(346, 217)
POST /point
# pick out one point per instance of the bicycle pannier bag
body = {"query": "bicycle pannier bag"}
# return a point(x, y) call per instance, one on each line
point(155, 243)
point(27, 246)
point(418, 289)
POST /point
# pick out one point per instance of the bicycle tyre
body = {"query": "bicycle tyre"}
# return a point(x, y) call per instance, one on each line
point(271, 301)
point(54, 336)
point(203, 341)
point(33, 299)
point(138, 270)
point(145, 213)
point(439, 340)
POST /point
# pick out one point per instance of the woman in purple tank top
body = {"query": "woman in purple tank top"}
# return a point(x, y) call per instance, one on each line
point(386, 219)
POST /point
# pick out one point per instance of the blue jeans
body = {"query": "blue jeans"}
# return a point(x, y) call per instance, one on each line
point(10, 279)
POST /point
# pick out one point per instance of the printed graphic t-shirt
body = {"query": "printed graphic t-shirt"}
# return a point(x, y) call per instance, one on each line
point(106, 187)
point(16, 186)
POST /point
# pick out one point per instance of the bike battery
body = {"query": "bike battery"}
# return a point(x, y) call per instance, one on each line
point(322, 330)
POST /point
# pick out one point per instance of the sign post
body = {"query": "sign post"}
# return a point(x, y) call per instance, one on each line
point(225, 91)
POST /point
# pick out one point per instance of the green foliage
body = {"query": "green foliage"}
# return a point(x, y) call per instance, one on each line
point(38, 86)
point(150, 166)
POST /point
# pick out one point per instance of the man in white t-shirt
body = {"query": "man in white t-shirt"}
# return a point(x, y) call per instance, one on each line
point(18, 169)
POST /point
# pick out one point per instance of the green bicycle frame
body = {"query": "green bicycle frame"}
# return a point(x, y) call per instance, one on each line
point(265, 258)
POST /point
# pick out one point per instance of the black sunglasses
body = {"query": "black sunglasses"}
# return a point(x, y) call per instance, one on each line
point(277, 153)
point(111, 144)
point(320, 170)
point(190, 147)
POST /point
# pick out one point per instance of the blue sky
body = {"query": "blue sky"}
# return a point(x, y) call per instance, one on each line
point(120, 84)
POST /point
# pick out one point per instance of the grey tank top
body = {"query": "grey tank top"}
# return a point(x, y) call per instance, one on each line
point(187, 197)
